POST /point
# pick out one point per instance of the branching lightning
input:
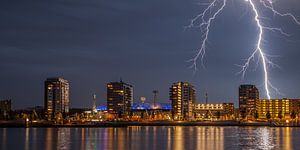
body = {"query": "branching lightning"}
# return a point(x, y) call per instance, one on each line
point(204, 27)
point(204, 21)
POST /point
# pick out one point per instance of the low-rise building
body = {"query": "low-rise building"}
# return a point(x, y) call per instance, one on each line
point(277, 108)
point(228, 107)
point(209, 107)
point(5, 109)
point(222, 110)
point(225, 107)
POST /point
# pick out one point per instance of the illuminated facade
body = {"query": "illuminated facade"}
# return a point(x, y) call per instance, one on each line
point(223, 111)
point(183, 96)
point(277, 108)
point(210, 107)
point(224, 107)
point(56, 97)
point(248, 94)
point(228, 108)
point(119, 97)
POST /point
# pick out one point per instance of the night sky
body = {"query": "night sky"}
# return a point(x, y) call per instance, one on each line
point(92, 42)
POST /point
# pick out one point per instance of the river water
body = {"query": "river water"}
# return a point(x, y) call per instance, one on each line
point(150, 138)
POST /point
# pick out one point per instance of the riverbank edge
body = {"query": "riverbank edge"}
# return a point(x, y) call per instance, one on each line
point(127, 124)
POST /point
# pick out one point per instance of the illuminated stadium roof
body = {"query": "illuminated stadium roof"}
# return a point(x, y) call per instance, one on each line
point(148, 106)
point(142, 106)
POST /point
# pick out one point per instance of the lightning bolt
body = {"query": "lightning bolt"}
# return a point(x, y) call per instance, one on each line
point(204, 26)
point(205, 19)
point(260, 50)
point(269, 5)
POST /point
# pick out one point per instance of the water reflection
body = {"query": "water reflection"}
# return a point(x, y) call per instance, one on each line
point(63, 138)
point(287, 138)
point(82, 138)
point(48, 141)
point(145, 138)
point(4, 135)
point(27, 139)
point(178, 138)
point(266, 138)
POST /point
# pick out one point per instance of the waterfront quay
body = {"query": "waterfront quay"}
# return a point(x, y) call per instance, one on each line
point(5, 124)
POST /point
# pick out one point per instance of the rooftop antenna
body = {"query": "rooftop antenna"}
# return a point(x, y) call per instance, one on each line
point(94, 103)
point(155, 92)
point(206, 98)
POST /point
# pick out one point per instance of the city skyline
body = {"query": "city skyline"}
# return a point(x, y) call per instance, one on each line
point(150, 74)
point(94, 100)
point(90, 47)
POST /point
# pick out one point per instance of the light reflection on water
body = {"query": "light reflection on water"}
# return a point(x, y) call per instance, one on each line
point(145, 138)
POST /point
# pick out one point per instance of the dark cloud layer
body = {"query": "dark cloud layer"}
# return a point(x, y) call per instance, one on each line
point(92, 42)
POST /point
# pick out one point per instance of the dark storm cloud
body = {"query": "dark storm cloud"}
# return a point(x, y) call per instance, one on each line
point(93, 42)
